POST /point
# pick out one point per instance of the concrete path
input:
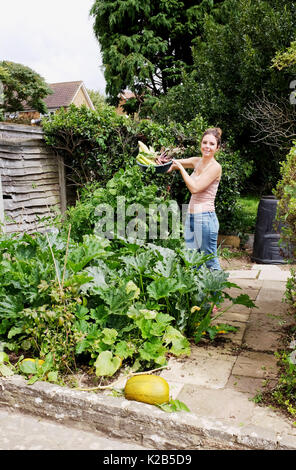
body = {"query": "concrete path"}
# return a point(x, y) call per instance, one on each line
point(220, 381)
point(217, 383)
point(25, 432)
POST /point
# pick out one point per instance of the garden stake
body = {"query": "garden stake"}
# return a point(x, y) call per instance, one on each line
point(56, 268)
point(66, 256)
point(102, 387)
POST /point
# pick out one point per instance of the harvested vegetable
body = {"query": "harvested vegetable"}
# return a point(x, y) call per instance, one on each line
point(148, 156)
point(147, 388)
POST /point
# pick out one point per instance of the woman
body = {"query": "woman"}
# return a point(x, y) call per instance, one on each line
point(202, 226)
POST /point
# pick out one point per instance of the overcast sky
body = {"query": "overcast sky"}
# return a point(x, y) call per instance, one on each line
point(55, 38)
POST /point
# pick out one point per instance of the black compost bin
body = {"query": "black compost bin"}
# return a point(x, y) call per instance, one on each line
point(266, 248)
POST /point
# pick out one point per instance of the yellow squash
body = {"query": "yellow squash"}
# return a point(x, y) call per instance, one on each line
point(147, 388)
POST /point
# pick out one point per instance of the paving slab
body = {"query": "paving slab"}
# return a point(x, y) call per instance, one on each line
point(243, 274)
point(256, 364)
point(249, 385)
point(264, 332)
point(274, 275)
point(210, 370)
point(266, 267)
point(19, 431)
point(235, 308)
point(270, 298)
point(230, 316)
point(251, 288)
point(223, 404)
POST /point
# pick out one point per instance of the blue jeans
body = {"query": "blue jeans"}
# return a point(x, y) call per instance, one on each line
point(201, 233)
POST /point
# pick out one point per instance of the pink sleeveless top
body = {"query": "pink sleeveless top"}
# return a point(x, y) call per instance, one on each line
point(204, 201)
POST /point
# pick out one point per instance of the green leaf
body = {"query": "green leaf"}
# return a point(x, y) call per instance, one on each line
point(3, 357)
point(173, 406)
point(106, 364)
point(139, 262)
point(193, 257)
point(125, 349)
point(52, 376)
point(28, 367)
point(166, 267)
point(96, 279)
point(203, 326)
point(117, 299)
point(180, 344)
point(161, 288)
point(109, 336)
point(6, 371)
point(244, 299)
point(14, 331)
point(153, 350)
point(93, 247)
point(136, 312)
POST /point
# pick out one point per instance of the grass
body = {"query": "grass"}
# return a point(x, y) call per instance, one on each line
point(248, 212)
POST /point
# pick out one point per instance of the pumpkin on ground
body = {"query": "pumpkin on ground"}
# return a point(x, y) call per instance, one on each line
point(147, 388)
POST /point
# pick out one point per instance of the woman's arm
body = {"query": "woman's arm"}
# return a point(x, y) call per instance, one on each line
point(201, 182)
point(185, 162)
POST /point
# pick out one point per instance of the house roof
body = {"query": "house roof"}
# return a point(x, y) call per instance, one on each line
point(126, 95)
point(63, 94)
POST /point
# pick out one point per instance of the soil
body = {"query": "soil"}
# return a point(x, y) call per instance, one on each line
point(241, 259)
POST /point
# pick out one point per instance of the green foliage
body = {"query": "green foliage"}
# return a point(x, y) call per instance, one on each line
point(95, 143)
point(285, 192)
point(21, 84)
point(248, 213)
point(126, 188)
point(284, 393)
point(233, 56)
point(97, 98)
point(179, 104)
point(234, 172)
point(286, 58)
point(104, 302)
point(173, 406)
point(146, 45)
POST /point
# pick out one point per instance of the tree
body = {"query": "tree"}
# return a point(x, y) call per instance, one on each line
point(233, 57)
point(97, 98)
point(146, 45)
point(21, 85)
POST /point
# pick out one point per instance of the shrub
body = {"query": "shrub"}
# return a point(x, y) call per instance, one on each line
point(95, 144)
point(285, 192)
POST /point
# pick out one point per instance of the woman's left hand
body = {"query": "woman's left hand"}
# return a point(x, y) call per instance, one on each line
point(177, 165)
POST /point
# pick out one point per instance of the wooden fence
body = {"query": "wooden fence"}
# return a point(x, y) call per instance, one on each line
point(32, 179)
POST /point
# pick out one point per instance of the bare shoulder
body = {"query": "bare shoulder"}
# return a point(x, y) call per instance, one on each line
point(218, 166)
point(196, 161)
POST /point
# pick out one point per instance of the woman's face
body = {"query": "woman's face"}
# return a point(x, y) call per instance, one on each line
point(209, 145)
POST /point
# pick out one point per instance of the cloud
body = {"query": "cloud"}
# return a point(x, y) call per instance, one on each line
point(55, 39)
